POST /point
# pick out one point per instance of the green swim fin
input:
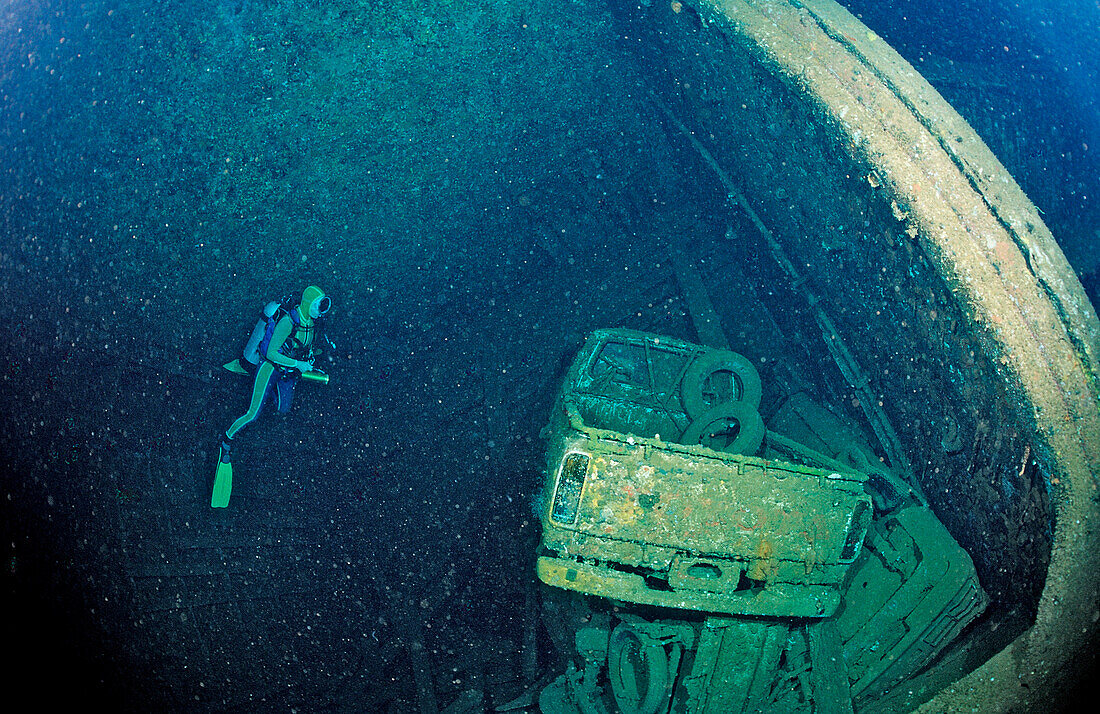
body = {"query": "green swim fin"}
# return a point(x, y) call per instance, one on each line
point(235, 366)
point(223, 481)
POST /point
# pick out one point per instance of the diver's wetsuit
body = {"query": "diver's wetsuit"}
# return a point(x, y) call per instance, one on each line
point(277, 365)
point(280, 367)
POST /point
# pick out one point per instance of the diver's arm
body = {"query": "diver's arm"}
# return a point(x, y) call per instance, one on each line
point(283, 330)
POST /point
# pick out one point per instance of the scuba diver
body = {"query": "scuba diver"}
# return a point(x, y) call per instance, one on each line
point(280, 352)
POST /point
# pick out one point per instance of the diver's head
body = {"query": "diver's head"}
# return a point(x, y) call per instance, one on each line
point(314, 302)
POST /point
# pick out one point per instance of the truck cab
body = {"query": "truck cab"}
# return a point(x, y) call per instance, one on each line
point(655, 495)
point(700, 561)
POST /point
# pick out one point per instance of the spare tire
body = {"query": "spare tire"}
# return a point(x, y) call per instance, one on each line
point(637, 667)
point(732, 427)
point(699, 391)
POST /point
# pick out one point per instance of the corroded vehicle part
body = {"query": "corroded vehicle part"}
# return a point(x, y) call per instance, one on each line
point(635, 517)
point(640, 521)
point(660, 525)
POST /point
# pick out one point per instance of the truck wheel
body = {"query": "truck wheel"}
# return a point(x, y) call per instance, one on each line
point(638, 669)
point(733, 428)
point(716, 377)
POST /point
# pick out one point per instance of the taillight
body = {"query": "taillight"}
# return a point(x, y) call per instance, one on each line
point(857, 527)
point(567, 495)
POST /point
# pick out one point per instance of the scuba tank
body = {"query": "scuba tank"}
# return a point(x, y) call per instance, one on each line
point(261, 330)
